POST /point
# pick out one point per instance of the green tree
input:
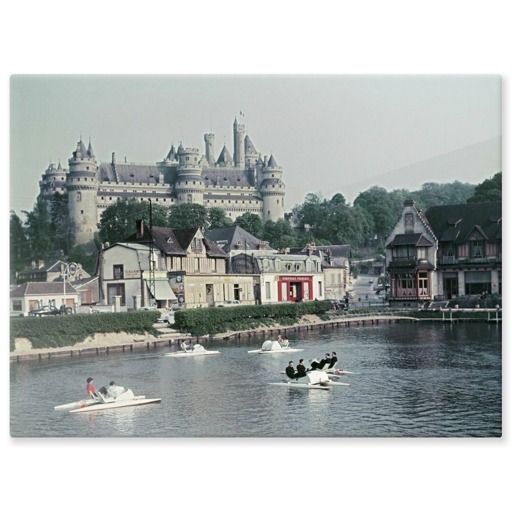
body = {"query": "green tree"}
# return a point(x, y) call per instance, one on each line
point(59, 219)
point(279, 234)
point(188, 215)
point(39, 231)
point(252, 223)
point(118, 221)
point(19, 245)
point(217, 218)
point(488, 191)
point(382, 210)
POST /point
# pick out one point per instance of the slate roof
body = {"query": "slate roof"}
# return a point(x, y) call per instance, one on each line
point(228, 177)
point(416, 239)
point(233, 235)
point(42, 288)
point(225, 157)
point(175, 241)
point(455, 223)
point(249, 146)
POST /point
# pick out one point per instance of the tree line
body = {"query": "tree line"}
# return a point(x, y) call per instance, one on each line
point(363, 225)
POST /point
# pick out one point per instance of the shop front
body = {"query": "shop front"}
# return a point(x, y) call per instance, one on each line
point(294, 288)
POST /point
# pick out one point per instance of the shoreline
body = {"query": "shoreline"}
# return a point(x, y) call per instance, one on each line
point(103, 343)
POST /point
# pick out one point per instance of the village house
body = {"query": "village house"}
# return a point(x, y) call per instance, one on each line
point(335, 265)
point(166, 268)
point(30, 296)
point(445, 253)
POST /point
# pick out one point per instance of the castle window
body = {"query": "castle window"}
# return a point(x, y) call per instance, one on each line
point(81, 212)
point(79, 196)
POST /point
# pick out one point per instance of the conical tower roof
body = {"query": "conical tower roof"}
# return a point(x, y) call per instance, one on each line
point(225, 158)
point(272, 162)
point(90, 151)
point(172, 154)
point(249, 146)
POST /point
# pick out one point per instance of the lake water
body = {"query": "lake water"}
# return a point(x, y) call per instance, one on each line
point(413, 380)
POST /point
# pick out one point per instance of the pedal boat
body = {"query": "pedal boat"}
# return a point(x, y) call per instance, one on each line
point(196, 350)
point(316, 379)
point(274, 347)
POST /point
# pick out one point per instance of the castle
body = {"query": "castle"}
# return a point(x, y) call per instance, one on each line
point(240, 183)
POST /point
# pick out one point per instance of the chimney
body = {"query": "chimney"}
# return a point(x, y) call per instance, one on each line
point(140, 228)
point(40, 263)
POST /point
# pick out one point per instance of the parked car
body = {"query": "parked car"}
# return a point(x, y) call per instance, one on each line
point(228, 303)
point(45, 311)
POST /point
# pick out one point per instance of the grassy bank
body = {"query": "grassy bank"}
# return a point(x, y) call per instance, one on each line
point(68, 330)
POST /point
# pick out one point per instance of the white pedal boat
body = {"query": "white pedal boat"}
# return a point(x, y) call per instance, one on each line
point(274, 347)
point(125, 399)
point(196, 350)
point(316, 379)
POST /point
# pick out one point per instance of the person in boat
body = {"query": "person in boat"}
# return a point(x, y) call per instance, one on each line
point(334, 360)
point(281, 341)
point(91, 389)
point(114, 390)
point(315, 365)
point(290, 371)
point(186, 346)
point(301, 370)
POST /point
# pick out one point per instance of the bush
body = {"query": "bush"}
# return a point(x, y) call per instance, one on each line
point(68, 330)
point(199, 322)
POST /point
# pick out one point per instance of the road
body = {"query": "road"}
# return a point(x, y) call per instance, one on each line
point(364, 295)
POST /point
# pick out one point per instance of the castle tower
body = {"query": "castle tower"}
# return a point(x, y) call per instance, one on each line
point(238, 140)
point(189, 185)
point(52, 182)
point(272, 190)
point(209, 139)
point(82, 189)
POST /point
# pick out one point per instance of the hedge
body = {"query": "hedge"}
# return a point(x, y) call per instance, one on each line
point(67, 330)
point(199, 322)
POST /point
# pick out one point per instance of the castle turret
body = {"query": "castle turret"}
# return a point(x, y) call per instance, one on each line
point(272, 190)
point(82, 188)
point(189, 185)
point(209, 139)
point(52, 182)
point(238, 140)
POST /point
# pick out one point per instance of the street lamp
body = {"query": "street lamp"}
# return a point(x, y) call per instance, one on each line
point(69, 269)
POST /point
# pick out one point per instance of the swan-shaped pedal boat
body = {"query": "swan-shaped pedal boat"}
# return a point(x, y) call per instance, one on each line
point(315, 379)
point(275, 347)
point(196, 350)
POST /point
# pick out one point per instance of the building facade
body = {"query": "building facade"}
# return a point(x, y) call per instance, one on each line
point(445, 253)
point(281, 277)
point(244, 182)
point(169, 268)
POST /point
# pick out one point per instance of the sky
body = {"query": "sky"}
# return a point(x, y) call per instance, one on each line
point(330, 133)
point(333, 135)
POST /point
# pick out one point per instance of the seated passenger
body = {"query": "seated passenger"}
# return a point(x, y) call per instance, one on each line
point(290, 371)
point(334, 360)
point(113, 390)
point(315, 365)
point(301, 370)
